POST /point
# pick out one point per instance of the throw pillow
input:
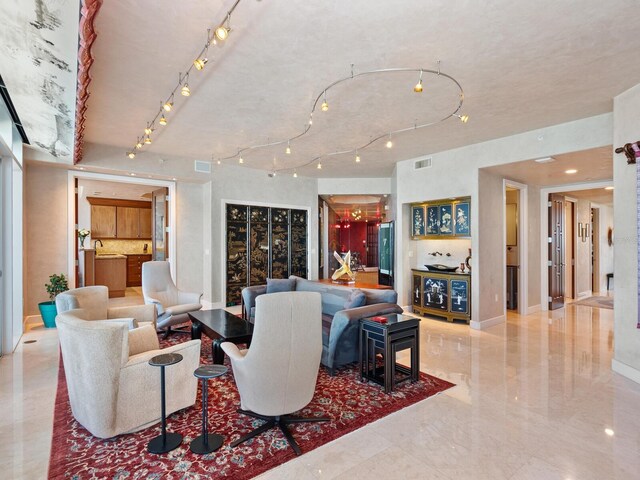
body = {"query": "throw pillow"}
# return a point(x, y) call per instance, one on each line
point(275, 285)
point(356, 299)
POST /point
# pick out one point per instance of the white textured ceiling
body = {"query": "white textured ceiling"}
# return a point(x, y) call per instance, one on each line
point(596, 195)
point(370, 207)
point(592, 165)
point(523, 65)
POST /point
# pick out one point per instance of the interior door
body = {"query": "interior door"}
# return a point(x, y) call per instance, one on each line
point(160, 212)
point(372, 245)
point(556, 263)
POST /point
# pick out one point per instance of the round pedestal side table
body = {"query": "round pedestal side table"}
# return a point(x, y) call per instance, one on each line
point(166, 441)
point(207, 442)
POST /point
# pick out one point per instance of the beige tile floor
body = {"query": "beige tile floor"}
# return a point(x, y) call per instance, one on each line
point(534, 399)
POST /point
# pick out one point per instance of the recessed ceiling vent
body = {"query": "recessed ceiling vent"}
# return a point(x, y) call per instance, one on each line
point(424, 163)
point(202, 167)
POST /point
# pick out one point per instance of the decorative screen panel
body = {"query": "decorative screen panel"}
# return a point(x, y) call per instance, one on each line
point(236, 252)
point(299, 243)
point(258, 245)
point(279, 243)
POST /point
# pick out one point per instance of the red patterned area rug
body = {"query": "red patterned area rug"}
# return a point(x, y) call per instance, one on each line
point(350, 403)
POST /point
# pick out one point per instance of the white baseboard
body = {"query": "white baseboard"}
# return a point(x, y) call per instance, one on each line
point(625, 370)
point(407, 308)
point(31, 321)
point(488, 323)
point(533, 309)
point(210, 305)
point(586, 293)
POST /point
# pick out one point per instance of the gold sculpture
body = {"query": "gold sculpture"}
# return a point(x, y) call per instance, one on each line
point(343, 273)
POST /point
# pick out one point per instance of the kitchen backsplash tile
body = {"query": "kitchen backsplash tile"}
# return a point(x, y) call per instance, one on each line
point(135, 247)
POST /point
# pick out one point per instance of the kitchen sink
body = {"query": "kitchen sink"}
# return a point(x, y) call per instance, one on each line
point(438, 267)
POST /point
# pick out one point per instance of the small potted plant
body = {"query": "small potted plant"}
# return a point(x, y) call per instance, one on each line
point(83, 233)
point(57, 284)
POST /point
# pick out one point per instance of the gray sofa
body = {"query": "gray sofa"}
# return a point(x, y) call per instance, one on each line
point(339, 324)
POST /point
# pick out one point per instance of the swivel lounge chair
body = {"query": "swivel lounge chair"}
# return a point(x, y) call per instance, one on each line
point(94, 302)
point(172, 304)
point(277, 375)
point(112, 388)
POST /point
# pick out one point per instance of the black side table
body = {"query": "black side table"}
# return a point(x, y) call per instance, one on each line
point(167, 441)
point(394, 333)
point(207, 442)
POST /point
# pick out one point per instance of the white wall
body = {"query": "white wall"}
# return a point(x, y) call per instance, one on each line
point(454, 173)
point(606, 251)
point(626, 128)
point(353, 186)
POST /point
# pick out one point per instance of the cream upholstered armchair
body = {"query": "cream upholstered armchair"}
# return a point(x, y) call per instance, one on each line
point(277, 375)
point(94, 302)
point(112, 388)
point(172, 304)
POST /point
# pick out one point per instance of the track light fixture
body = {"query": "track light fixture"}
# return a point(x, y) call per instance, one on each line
point(295, 174)
point(131, 154)
point(357, 157)
point(185, 90)
point(325, 105)
point(389, 142)
point(319, 165)
point(163, 120)
point(222, 32)
point(138, 143)
point(219, 162)
point(418, 87)
point(288, 149)
point(168, 104)
point(199, 63)
point(241, 160)
point(148, 130)
point(147, 140)
point(463, 118)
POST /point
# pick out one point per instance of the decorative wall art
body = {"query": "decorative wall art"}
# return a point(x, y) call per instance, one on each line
point(263, 242)
point(460, 296)
point(436, 294)
point(417, 216)
point(433, 221)
point(462, 224)
point(441, 218)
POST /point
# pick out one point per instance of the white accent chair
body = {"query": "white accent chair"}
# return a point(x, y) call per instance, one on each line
point(94, 302)
point(277, 375)
point(112, 388)
point(172, 304)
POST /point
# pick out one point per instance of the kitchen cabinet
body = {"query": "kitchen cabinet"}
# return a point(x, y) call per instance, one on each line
point(122, 219)
point(111, 270)
point(103, 221)
point(145, 223)
point(446, 295)
point(134, 269)
point(128, 222)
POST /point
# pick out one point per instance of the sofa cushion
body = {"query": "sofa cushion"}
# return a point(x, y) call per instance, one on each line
point(276, 285)
point(380, 296)
point(355, 299)
point(326, 324)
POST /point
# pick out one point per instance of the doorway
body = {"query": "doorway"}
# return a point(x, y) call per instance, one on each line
point(124, 183)
point(570, 248)
point(595, 249)
point(515, 246)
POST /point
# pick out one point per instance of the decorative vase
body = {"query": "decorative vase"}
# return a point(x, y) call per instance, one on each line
point(467, 261)
point(82, 239)
point(48, 311)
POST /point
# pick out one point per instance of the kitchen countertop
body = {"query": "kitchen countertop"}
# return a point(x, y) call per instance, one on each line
point(109, 256)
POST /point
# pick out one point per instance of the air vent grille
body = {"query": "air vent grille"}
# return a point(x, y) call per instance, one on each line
point(202, 167)
point(424, 163)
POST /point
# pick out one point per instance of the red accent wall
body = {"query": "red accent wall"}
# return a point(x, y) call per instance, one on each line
point(353, 239)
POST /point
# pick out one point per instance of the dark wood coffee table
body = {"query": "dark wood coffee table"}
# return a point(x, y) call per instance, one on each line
point(220, 326)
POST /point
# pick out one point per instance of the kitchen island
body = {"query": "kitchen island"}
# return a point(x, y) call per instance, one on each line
point(111, 270)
